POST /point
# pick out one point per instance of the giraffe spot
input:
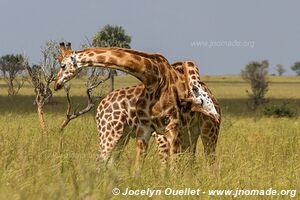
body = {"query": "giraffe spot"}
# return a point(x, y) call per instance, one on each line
point(113, 133)
point(117, 113)
point(191, 72)
point(115, 106)
point(91, 54)
point(118, 54)
point(107, 134)
point(190, 63)
point(138, 91)
point(122, 92)
point(147, 63)
point(106, 116)
point(130, 90)
point(101, 58)
point(109, 109)
point(136, 57)
point(119, 126)
point(102, 122)
point(123, 118)
point(120, 98)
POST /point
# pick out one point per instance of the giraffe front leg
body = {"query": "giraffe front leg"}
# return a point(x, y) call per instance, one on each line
point(209, 139)
point(142, 139)
point(172, 135)
point(163, 149)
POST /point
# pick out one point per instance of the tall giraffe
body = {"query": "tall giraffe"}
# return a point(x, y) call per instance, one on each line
point(123, 111)
point(158, 106)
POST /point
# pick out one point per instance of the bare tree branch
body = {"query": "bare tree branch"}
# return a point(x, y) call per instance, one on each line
point(92, 82)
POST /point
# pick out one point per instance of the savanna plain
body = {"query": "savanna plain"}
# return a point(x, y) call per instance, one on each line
point(254, 151)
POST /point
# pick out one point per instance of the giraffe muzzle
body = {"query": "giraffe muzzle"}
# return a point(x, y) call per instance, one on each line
point(58, 86)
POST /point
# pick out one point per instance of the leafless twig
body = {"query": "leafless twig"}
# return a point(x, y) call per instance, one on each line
point(92, 82)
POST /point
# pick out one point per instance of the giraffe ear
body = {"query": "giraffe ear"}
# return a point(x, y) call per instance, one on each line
point(62, 48)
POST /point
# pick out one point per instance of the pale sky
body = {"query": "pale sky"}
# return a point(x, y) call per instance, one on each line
point(170, 27)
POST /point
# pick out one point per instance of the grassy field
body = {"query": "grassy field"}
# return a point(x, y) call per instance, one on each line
point(254, 151)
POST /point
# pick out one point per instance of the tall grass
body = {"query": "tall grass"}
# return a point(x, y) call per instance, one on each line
point(254, 152)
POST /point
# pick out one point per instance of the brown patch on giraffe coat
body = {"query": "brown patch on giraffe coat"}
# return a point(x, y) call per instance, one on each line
point(99, 51)
point(117, 112)
point(138, 90)
point(123, 118)
point(101, 58)
point(118, 126)
point(147, 62)
point(130, 90)
point(130, 96)
point(118, 54)
point(115, 106)
point(138, 58)
point(191, 72)
point(120, 97)
point(91, 54)
point(122, 92)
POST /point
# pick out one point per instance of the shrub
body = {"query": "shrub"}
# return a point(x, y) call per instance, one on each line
point(278, 111)
point(255, 73)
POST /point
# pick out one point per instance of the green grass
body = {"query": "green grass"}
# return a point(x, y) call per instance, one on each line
point(254, 152)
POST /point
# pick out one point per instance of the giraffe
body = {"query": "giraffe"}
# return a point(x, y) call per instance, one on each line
point(123, 111)
point(195, 115)
point(157, 107)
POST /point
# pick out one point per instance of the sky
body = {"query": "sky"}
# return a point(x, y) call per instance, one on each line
point(220, 36)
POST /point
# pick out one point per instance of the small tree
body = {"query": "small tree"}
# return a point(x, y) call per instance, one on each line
point(12, 67)
point(111, 36)
point(42, 76)
point(280, 69)
point(296, 68)
point(255, 73)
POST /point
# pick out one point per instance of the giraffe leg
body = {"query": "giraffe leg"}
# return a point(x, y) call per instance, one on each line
point(142, 140)
point(163, 148)
point(171, 137)
point(109, 141)
point(209, 139)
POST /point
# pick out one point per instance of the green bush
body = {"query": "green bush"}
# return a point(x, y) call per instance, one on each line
point(278, 111)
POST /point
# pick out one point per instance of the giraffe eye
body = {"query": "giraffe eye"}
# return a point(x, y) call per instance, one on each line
point(166, 120)
point(63, 66)
point(202, 102)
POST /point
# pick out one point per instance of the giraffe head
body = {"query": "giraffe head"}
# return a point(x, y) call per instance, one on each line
point(198, 92)
point(68, 66)
point(202, 97)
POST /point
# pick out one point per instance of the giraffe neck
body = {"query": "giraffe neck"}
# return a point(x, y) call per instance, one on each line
point(146, 67)
point(198, 91)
